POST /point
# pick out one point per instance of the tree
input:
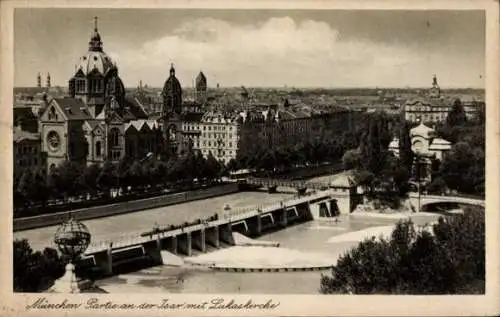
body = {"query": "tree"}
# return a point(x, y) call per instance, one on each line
point(374, 144)
point(405, 152)
point(88, 179)
point(351, 159)
point(25, 186)
point(212, 167)
point(463, 168)
point(411, 261)
point(232, 165)
point(106, 179)
point(35, 271)
point(456, 115)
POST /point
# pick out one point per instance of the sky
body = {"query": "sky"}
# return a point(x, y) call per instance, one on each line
point(258, 48)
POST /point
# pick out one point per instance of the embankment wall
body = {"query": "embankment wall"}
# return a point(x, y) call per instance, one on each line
point(124, 207)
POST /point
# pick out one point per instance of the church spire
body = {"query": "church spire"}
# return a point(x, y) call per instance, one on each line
point(172, 70)
point(95, 43)
point(435, 82)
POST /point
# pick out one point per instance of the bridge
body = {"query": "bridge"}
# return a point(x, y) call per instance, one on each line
point(105, 256)
point(272, 184)
point(435, 199)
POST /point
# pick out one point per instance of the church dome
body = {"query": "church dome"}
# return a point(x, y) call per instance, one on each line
point(172, 86)
point(201, 82)
point(423, 131)
point(95, 61)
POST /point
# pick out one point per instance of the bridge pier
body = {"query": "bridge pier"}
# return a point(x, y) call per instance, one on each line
point(226, 234)
point(272, 189)
point(153, 250)
point(255, 226)
point(106, 260)
point(284, 218)
point(170, 244)
point(184, 244)
point(212, 236)
point(199, 240)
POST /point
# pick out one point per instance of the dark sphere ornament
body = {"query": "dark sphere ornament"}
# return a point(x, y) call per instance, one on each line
point(72, 238)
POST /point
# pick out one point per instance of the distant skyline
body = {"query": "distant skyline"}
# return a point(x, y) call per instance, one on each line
point(265, 48)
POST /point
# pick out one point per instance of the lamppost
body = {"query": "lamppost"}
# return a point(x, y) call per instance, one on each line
point(418, 167)
point(72, 239)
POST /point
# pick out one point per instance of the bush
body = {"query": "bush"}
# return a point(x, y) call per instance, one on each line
point(449, 261)
point(35, 271)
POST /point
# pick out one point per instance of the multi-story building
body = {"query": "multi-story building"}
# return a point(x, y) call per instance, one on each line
point(27, 152)
point(435, 107)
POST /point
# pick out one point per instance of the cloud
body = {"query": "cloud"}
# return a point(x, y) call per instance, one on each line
point(276, 52)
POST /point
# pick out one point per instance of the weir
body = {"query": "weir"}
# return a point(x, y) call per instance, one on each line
point(182, 241)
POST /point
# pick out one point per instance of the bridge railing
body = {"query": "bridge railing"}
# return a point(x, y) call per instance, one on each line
point(233, 215)
point(285, 183)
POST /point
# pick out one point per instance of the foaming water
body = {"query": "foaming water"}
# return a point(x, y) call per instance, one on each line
point(324, 239)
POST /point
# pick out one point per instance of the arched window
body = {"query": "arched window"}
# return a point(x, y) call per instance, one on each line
point(98, 148)
point(114, 135)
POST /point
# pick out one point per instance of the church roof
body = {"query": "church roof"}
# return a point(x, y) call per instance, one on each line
point(74, 109)
point(134, 109)
point(172, 85)
point(141, 124)
point(95, 61)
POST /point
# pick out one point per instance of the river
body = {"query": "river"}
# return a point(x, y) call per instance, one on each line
point(319, 238)
point(329, 239)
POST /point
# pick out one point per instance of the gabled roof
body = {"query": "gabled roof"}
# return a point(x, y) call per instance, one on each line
point(73, 109)
point(141, 125)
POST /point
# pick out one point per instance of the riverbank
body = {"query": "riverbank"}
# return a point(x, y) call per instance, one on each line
point(123, 207)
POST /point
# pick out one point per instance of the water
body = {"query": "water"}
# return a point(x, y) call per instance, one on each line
point(311, 237)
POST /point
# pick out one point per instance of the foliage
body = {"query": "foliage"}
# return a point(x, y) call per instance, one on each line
point(405, 152)
point(463, 168)
point(412, 261)
point(35, 271)
point(457, 115)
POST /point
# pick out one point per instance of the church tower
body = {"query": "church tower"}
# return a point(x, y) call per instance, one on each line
point(201, 88)
point(96, 81)
point(435, 91)
point(48, 80)
point(39, 81)
point(172, 94)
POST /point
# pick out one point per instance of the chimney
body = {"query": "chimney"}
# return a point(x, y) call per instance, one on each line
point(39, 81)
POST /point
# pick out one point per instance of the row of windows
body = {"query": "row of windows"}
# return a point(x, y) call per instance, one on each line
point(29, 162)
point(27, 150)
point(217, 128)
point(223, 152)
point(216, 135)
point(95, 85)
point(215, 143)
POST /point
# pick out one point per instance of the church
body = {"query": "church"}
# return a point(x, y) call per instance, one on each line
point(97, 122)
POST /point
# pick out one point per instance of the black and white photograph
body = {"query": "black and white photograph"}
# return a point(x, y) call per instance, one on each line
point(248, 151)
